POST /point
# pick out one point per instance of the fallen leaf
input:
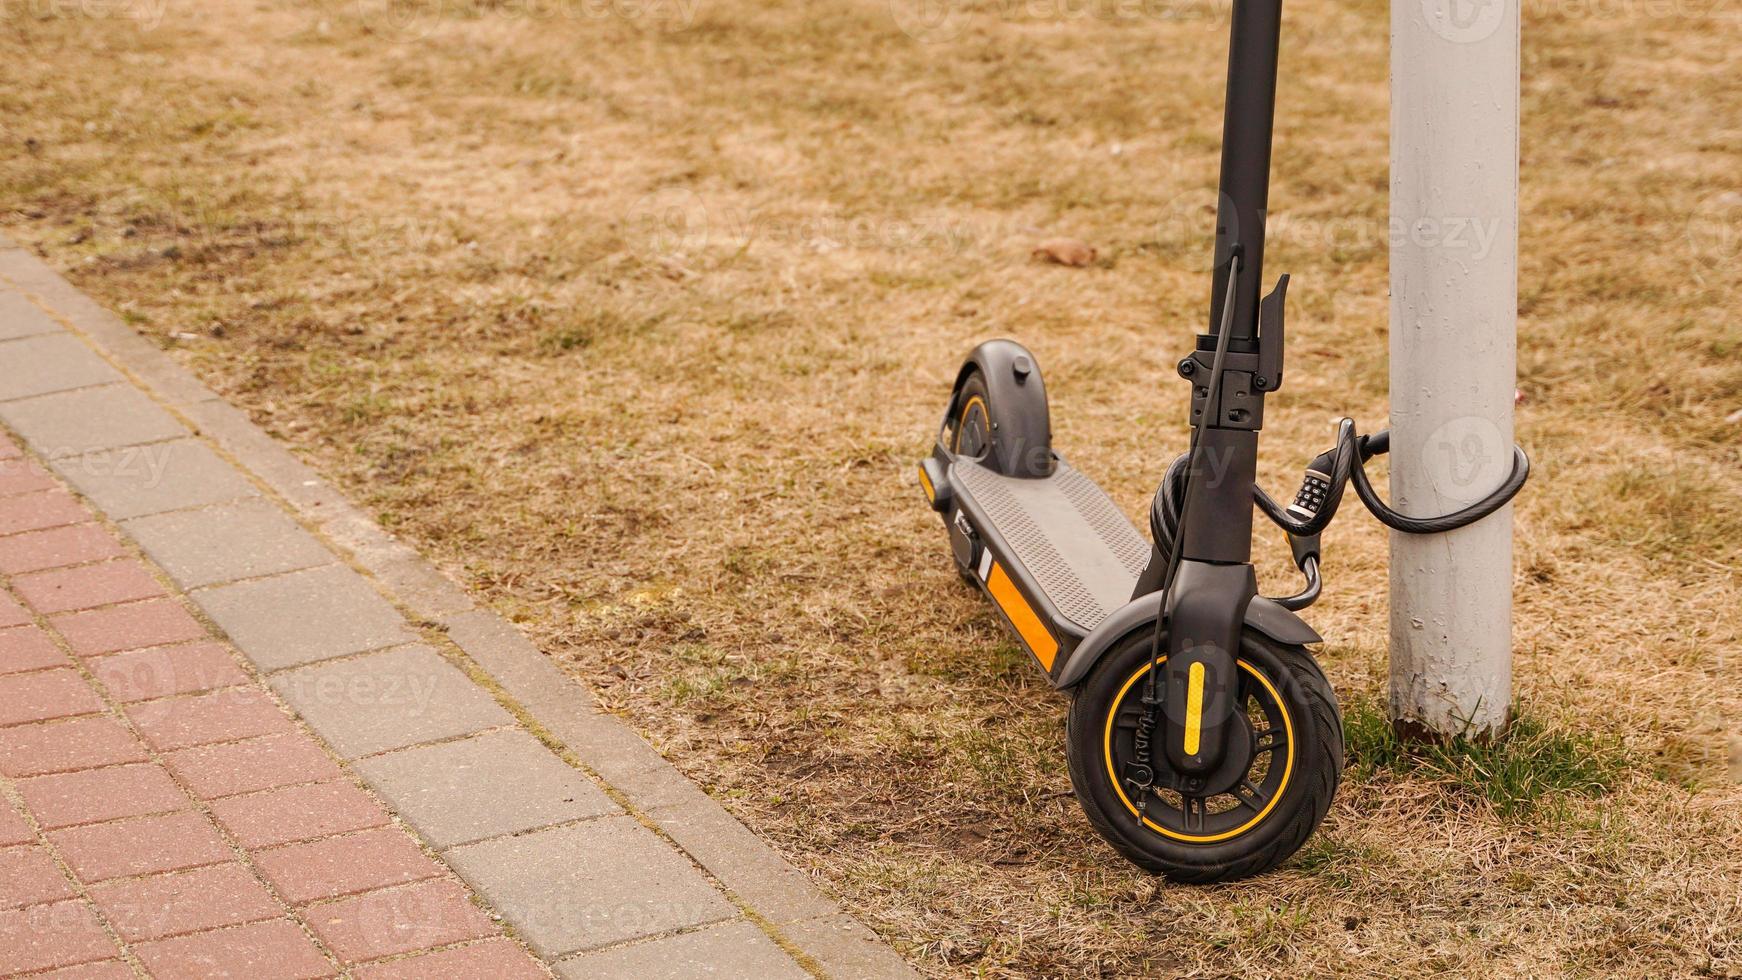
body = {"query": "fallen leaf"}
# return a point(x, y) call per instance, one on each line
point(1065, 251)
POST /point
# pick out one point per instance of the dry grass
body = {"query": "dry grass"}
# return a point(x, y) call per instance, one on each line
point(679, 454)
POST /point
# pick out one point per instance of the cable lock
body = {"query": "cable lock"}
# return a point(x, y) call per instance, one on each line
point(1321, 494)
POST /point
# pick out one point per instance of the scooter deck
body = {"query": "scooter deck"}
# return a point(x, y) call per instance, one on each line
point(1059, 541)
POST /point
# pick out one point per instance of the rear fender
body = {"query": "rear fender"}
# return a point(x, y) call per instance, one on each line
point(1022, 441)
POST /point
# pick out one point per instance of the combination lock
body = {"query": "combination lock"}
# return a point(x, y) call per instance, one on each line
point(1314, 487)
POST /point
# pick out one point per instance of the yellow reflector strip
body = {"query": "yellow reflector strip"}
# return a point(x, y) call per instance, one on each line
point(925, 482)
point(1194, 708)
point(1022, 616)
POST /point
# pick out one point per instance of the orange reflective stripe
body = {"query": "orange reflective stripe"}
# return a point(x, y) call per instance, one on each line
point(1022, 616)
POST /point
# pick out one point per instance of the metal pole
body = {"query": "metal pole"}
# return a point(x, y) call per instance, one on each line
point(1454, 302)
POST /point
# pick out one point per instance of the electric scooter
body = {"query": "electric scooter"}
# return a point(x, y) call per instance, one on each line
point(1204, 742)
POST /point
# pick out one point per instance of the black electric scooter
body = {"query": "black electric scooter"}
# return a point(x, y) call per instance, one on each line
point(1204, 743)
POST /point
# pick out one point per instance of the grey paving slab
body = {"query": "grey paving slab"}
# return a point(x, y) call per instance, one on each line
point(19, 317)
point(49, 363)
point(740, 860)
point(289, 477)
point(492, 784)
point(150, 479)
point(731, 949)
point(73, 423)
point(304, 616)
point(388, 700)
point(227, 542)
point(586, 885)
point(844, 947)
point(564, 707)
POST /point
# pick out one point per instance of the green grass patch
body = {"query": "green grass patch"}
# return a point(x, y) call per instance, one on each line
point(1536, 765)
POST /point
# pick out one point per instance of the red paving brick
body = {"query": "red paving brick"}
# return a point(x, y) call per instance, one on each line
point(160, 872)
point(281, 816)
point(71, 798)
point(106, 970)
point(63, 746)
point(344, 865)
point(44, 695)
point(275, 950)
point(162, 671)
point(27, 648)
point(13, 829)
point(57, 548)
point(152, 623)
point(212, 771)
point(35, 511)
point(86, 586)
point(28, 876)
point(170, 842)
point(224, 716)
point(170, 905)
point(11, 613)
point(398, 920)
point(8, 448)
point(497, 959)
point(23, 476)
point(42, 936)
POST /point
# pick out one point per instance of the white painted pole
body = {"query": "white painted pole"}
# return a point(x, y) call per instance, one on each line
point(1454, 312)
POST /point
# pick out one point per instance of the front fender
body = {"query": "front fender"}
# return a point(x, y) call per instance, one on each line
point(1262, 615)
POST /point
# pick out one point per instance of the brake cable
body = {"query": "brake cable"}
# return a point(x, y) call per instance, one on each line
point(1145, 740)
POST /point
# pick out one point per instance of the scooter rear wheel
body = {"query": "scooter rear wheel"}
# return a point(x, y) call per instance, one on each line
point(1292, 765)
point(970, 431)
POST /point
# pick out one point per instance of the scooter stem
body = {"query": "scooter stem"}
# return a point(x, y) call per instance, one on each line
point(1248, 123)
point(1208, 596)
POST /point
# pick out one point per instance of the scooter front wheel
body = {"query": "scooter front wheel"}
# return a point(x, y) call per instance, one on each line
point(1284, 766)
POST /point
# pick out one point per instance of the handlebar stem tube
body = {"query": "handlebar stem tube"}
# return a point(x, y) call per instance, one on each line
point(1248, 123)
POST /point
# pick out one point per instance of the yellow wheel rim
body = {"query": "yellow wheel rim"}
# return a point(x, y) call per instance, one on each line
point(962, 417)
point(1281, 788)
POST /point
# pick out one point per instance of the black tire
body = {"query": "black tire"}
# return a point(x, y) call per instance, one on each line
point(1277, 676)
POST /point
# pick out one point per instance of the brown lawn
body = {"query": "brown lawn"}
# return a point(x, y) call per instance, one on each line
point(635, 317)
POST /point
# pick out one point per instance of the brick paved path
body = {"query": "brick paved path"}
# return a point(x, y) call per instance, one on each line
point(245, 733)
